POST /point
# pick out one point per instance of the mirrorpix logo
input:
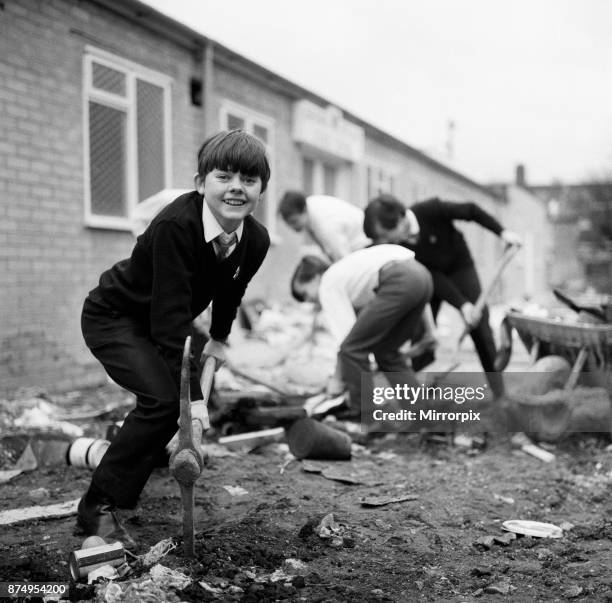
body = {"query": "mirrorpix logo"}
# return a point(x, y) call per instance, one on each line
point(413, 395)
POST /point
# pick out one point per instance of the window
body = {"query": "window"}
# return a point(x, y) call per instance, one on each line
point(379, 180)
point(321, 178)
point(127, 137)
point(235, 116)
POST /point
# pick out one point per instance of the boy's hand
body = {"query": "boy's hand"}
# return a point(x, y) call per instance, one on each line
point(216, 349)
point(334, 386)
point(426, 343)
point(511, 238)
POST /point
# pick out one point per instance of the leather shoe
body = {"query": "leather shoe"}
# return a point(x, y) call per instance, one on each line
point(97, 516)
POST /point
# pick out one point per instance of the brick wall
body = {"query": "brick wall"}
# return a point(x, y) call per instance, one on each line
point(48, 259)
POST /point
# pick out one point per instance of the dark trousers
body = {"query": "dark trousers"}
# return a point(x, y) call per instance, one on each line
point(383, 325)
point(466, 280)
point(132, 360)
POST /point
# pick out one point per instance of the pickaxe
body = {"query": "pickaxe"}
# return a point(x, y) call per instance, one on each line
point(509, 253)
point(187, 461)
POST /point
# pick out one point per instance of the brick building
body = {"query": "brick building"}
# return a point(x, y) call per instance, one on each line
point(105, 102)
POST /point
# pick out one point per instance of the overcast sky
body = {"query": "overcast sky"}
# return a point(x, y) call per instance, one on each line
point(524, 81)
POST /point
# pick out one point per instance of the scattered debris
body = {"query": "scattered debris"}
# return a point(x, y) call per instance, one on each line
point(38, 493)
point(505, 539)
point(381, 501)
point(484, 542)
point(236, 490)
point(499, 588)
point(573, 591)
point(536, 529)
point(521, 441)
point(42, 416)
point(505, 499)
point(252, 439)
point(157, 551)
point(164, 576)
point(64, 509)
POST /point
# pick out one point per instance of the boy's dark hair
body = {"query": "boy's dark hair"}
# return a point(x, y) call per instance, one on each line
point(385, 210)
point(236, 151)
point(309, 267)
point(293, 202)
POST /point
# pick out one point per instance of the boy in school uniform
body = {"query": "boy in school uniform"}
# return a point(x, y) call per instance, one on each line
point(373, 300)
point(203, 247)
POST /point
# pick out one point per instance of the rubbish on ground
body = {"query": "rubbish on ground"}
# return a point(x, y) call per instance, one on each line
point(499, 588)
point(84, 561)
point(566, 526)
point(7, 475)
point(506, 539)
point(93, 541)
point(252, 439)
point(108, 572)
point(485, 542)
point(321, 403)
point(110, 593)
point(329, 529)
point(38, 493)
point(536, 529)
point(506, 499)
point(87, 452)
point(213, 590)
point(43, 416)
point(26, 462)
point(521, 441)
point(157, 551)
point(381, 501)
point(341, 471)
point(236, 490)
point(573, 591)
point(64, 509)
point(164, 576)
point(312, 439)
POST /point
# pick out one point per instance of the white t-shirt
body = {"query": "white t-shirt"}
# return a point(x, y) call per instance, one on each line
point(350, 283)
point(336, 225)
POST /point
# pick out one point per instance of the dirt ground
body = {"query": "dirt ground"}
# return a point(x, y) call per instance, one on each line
point(258, 517)
point(428, 549)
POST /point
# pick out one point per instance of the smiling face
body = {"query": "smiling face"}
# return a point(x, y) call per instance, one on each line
point(231, 196)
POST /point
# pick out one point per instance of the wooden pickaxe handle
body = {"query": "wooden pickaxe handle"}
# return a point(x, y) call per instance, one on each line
point(187, 461)
point(481, 302)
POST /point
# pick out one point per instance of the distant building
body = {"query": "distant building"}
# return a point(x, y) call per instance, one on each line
point(581, 221)
point(104, 103)
point(529, 273)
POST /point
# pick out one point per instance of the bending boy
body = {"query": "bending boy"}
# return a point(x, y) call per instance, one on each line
point(333, 224)
point(373, 300)
point(203, 247)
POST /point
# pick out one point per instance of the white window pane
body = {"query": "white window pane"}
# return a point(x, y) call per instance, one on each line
point(107, 160)
point(109, 80)
point(150, 129)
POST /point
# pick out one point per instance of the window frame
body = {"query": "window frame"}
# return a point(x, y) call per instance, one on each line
point(127, 104)
point(252, 118)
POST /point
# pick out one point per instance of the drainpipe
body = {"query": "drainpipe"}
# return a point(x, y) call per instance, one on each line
point(210, 119)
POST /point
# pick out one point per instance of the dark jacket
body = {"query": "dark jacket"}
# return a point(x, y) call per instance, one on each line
point(441, 247)
point(173, 275)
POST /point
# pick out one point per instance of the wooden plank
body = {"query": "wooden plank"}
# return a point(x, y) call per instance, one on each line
point(54, 511)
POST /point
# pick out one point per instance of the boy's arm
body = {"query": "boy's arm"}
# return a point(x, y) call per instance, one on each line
point(172, 255)
point(474, 213)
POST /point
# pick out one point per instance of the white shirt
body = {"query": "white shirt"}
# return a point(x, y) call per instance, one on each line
point(212, 228)
point(336, 225)
point(350, 283)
